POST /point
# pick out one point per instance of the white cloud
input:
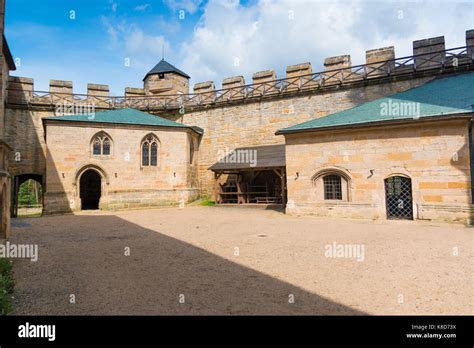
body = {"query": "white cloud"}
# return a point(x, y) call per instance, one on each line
point(142, 8)
point(232, 39)
point(113, 6)
point(134, 49)
point(190, 6)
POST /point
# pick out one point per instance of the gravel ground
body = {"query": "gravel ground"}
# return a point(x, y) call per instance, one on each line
point(239, 261)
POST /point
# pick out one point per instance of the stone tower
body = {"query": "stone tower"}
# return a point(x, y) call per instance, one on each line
point(165, 78)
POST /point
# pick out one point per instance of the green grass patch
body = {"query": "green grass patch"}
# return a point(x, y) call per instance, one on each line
point(6, 286)
point(208, 202)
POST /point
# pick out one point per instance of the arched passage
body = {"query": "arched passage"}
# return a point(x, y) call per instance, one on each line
point(90, 188)
point(27, 194)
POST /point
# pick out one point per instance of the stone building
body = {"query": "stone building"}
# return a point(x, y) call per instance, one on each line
point(118, 159)
point(165, 78)
point(407, 156)
point(239, 144)
point(6, 64)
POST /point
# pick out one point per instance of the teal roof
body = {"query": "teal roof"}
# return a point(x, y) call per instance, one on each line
point(440, 97)
point(123, 116)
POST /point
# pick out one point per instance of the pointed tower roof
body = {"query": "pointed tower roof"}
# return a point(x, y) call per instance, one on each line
point(164, 67)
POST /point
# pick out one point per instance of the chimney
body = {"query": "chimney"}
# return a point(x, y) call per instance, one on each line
point(426, 46)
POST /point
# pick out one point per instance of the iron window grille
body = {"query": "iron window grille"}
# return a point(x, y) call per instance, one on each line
point(398, 196)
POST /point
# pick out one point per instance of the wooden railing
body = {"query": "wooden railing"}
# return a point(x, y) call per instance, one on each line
point(439, 61)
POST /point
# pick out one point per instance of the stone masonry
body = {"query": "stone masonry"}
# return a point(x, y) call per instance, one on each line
point(125, 183)
point(435, 155)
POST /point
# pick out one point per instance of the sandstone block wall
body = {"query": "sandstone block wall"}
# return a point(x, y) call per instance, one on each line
point(251, 124)
point(5, 192)
point(25, 134)
point(125, 183)
point(434, 155)
point(170, 84)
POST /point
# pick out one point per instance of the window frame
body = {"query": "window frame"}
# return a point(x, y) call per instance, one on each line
point(99, 139)
point(319, 185)
point(332, 185)
point(147, 143)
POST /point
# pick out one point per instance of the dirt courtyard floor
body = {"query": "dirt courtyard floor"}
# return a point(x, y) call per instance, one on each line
point(221, 260)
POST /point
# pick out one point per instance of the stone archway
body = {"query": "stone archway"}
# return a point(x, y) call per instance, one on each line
point(18, 181)
point(90, 189)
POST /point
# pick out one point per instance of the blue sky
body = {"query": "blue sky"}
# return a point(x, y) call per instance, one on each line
point(213, 39)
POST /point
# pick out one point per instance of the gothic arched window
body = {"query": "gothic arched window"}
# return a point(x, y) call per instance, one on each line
point(101, 144)
point(150, 151)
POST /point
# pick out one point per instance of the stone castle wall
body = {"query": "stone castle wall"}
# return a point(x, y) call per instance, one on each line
point(255, 123)
point(234, 120)
point(435, 155)
point(125, 183)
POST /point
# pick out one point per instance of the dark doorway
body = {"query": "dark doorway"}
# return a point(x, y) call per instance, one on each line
point(90, 190)
point(398, 198)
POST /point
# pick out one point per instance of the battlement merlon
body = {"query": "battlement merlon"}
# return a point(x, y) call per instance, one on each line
point(429, 57)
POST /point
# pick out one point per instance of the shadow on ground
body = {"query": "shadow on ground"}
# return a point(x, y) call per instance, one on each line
point(84, 256)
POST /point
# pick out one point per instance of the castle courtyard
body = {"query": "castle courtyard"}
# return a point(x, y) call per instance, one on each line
point(227, 260)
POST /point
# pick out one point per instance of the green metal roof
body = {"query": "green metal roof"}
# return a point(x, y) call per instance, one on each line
point(440, 97)
point(124, 116)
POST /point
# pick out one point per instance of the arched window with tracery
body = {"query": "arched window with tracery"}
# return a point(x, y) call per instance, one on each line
point(150, 151)
point(101, 144)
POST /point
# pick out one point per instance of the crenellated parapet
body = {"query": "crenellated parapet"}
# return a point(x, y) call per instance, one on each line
point(264, 82)
point(165, 87)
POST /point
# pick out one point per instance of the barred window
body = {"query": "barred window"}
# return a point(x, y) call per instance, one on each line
point(101, 144)
point(332, 187)
point(150, 151)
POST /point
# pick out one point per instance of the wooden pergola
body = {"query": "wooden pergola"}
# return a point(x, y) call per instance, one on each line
point(261, 182)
